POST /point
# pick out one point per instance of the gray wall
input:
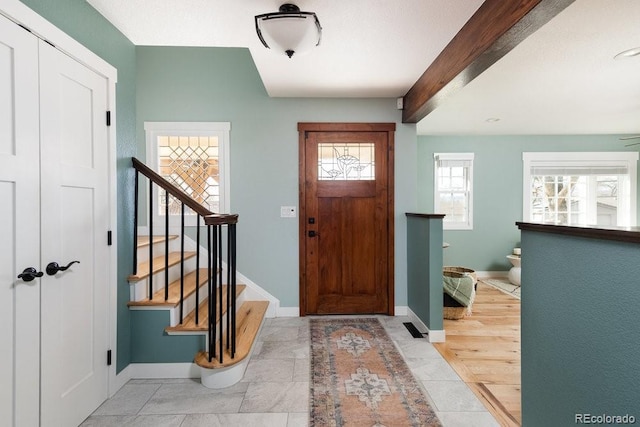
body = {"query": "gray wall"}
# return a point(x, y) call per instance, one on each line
point(580, 341)
point(497, 184)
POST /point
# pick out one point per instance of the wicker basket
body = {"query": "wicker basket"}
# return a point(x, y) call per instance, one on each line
point(452, 309)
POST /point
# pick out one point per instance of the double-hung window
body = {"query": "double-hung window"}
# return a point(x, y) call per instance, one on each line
point(454, 189)
point(582, 188)
point(194, 156)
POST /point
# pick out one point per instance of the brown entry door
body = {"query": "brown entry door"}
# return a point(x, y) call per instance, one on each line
point(346, 224)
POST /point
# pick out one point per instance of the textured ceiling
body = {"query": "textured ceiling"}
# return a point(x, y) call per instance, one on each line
point(561, 80)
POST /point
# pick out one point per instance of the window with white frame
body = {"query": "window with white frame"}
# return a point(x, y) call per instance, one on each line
point(453, 195)
point(194, 156)
point(585, 188)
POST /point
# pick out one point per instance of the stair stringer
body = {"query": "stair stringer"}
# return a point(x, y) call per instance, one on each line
point(254, 292)
point(212, 378)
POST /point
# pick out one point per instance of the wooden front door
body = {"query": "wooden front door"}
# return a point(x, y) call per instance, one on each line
point(346, 218)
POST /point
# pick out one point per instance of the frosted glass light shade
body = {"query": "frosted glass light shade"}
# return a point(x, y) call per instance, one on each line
point(289, 31)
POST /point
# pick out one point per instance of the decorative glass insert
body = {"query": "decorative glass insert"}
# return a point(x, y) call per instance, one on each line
point(346, 161)
point(190, 163)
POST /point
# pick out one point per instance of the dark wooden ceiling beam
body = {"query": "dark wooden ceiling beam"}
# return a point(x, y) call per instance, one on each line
point(495, 29)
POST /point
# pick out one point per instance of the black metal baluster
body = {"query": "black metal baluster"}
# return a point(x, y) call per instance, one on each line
point(232, 261)
point(229, 314)
point(210, 330)
point(197, 269)
point(135, 225)
point(166, 245)
point(214, 257)
point(219, 270)
point(150, 240)
point(182, 264)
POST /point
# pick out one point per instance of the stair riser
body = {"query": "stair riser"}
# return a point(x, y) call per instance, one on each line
point(140, 290)
point(175, 313)
point(158, 249)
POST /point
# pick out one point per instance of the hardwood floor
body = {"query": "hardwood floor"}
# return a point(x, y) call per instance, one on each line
point(484, 349)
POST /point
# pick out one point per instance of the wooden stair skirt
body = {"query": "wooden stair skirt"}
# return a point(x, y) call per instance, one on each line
point(249, 315)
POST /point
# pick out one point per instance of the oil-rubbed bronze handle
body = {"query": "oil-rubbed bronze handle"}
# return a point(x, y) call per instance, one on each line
point(29, 274)
point(53, 267)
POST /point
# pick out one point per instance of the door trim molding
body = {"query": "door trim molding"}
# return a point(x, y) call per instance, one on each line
point(21, 14)
point(305, 127)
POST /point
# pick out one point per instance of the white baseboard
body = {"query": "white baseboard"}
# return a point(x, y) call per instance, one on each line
point(164, 370)
point(492, 274)
point(401, 310)
point(288, 312)
point(433, 335)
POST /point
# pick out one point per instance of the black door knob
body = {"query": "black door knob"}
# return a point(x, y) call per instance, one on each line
point(29, 273)
point(53, 267)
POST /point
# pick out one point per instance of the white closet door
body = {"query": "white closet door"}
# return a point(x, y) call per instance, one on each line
point(75, 221)
point(19, 226)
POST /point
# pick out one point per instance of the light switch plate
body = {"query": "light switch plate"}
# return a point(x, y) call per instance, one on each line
point(288, 212)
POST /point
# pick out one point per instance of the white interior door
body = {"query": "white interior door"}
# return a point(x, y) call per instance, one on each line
point(75, 221)
point(19, 226)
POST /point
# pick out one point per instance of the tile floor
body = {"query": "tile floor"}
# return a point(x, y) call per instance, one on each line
point(275, 388)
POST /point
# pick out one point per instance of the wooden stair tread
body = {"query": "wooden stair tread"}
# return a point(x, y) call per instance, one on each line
point(144, 240)
point(158, 265)
point(248, 321)
point(189, 321)
point(174, 291)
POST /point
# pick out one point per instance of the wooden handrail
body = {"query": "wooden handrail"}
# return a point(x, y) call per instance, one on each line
point(210, 218)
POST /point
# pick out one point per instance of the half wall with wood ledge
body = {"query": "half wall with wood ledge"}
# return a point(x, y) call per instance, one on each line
point(580, 311)
point(424, 273)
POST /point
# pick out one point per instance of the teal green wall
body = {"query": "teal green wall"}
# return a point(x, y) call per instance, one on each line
point(580, 345)
point(82, 22)
point(222, 84)
point(152, 345)
point(424, 269)
point(497, 199)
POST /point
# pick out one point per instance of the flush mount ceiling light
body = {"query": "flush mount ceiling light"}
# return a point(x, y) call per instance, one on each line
point(289, 30)
point(628, 53)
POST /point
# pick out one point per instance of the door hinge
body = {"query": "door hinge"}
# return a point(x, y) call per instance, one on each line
point(108, 118)
point(108, 357)
point(109, 241)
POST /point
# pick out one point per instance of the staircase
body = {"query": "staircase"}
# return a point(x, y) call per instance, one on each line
point(197, 286)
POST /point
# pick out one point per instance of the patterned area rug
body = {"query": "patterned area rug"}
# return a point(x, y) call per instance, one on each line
point(504, 286)
point(358, 378)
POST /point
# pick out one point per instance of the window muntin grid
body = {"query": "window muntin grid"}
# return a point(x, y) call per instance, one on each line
point(580, 188)
point(346, 161)
point(192, 164)
point(453, 192)
point(575, 200)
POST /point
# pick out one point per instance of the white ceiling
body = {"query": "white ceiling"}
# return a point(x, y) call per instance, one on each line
point(561, 80)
